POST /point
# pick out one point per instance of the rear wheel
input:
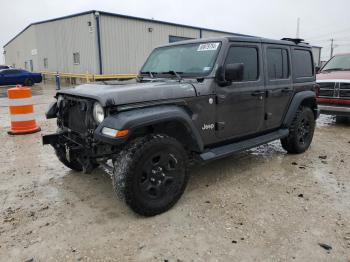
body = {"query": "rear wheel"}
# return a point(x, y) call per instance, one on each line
point(301, 132)
point(29, 82)
point(342, 119)
point(151, 173)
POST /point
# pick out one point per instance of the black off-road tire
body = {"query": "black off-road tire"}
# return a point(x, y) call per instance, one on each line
point(74, 165)
point(29, 82)
point(342, 119)
point(150, 173)
point(301, 131)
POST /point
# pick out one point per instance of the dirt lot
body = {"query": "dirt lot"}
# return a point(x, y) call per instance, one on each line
point(260, 205)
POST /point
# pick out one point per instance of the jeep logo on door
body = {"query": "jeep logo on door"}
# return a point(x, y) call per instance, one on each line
point(208, 126)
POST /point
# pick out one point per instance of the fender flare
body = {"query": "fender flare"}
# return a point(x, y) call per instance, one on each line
point(137, 118)
point(295, 104)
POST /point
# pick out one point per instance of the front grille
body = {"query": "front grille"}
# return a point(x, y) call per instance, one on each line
point(76, 115)
point(344, 90)
point(327, 89)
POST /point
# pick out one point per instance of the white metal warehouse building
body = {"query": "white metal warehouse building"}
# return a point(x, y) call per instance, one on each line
point(95, 42)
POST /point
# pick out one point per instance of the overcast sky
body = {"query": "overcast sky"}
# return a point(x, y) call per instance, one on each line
point(320, 20)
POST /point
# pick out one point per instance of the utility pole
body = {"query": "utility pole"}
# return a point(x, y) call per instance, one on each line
point(332, 47)
point(298, 28)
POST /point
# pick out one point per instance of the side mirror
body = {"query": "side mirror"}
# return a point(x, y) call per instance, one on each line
point(234, 72)
point(317, 69)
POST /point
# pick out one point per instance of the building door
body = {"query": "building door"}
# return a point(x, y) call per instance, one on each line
point(31, 65)
point(240, 105)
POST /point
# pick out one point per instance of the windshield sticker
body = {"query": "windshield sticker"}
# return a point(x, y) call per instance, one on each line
point(208, 47)
point(207, 68)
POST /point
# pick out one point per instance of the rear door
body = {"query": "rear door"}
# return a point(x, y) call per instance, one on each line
point(240, 105)
point(279, 85)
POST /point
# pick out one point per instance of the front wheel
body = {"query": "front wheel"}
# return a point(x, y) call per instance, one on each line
point(151, 173)
point(301, 132)
point(74, 164)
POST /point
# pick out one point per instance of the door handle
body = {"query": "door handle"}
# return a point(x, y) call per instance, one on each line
point(258, 93)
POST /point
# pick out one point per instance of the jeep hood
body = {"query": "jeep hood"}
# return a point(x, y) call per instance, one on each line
point(132, 93)
point(334, 75)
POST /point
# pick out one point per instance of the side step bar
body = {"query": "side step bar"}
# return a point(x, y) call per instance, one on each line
point(226, 150)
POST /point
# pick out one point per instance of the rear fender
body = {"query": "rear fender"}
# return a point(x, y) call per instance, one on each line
point(304, 97)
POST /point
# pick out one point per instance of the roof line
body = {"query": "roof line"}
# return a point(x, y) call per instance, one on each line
point(48, 20)
point(167, 23)
point(122, 16)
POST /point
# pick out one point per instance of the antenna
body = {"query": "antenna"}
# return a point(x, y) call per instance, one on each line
point(298, 28)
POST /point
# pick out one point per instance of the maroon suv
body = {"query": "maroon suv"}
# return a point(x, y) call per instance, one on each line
point(334, 82)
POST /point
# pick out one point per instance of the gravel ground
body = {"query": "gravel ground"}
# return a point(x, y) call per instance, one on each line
point(259, 205)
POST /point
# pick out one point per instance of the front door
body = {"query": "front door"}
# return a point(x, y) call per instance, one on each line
point(279, 86)
point(240, 105)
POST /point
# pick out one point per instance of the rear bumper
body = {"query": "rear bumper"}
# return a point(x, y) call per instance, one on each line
point(335, 110)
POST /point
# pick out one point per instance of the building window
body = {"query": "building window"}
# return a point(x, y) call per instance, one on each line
point(76, 58)
point(277, 63)
point(173, 38)
point(248, 56)
point(46, 63)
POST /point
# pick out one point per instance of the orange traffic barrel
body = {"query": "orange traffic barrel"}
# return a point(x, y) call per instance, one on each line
point(21, 111)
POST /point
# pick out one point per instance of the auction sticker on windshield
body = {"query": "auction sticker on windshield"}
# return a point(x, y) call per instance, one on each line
point(208, 47)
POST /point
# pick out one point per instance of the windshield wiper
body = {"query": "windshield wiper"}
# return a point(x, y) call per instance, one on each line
point(174, 73)
point(148, 73)
point(336, 69)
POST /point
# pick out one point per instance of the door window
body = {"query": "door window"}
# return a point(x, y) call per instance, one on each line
point(10, 72)
point(277, 63)
point(248, 56)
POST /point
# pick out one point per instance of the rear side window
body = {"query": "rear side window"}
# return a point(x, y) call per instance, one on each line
point(248, 56)
point(277, 63)
point(10, 72)
point(302, 63)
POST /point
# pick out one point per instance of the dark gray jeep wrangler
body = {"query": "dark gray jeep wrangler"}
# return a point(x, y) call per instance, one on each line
point(193, 101)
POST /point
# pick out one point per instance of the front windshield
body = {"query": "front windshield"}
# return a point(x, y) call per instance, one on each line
point(340, 62)
point(186, 60)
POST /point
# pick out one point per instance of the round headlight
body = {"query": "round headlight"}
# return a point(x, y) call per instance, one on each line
point(59, 100)
point(98, 112)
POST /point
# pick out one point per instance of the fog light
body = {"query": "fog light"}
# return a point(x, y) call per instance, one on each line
point(114, 132)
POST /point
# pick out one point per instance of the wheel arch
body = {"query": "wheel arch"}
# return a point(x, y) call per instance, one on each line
point(304, 98)
point(172, 120)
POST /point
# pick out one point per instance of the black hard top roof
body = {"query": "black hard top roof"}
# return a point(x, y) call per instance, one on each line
point(251, 39)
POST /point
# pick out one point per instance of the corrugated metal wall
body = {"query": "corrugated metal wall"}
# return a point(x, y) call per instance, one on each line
point(126, 43)
point(207, 34)
point(57, 41)
point(20, 50)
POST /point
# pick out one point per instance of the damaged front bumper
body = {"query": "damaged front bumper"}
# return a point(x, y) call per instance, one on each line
point(62, 143)
point(87, 152)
